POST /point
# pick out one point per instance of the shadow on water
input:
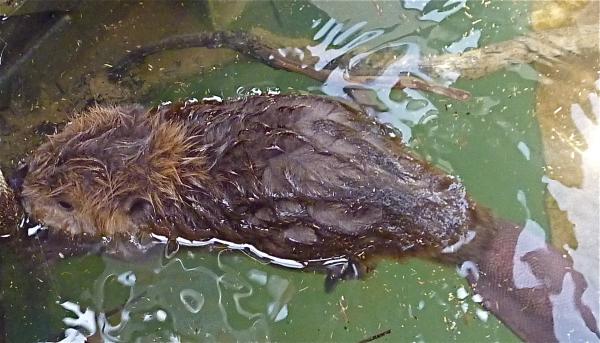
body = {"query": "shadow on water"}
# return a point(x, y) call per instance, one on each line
point(53, 63)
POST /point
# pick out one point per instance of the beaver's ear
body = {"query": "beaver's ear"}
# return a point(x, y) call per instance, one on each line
point(139, 209)
point(18, 177)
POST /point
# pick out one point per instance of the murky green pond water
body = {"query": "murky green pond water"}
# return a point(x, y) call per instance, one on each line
point(492, 142)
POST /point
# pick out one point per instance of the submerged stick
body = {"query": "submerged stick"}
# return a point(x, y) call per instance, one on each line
point(55, 29)
point(251, 46)
point(542, 47)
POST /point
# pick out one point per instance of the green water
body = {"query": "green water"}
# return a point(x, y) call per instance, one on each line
point(240, 299)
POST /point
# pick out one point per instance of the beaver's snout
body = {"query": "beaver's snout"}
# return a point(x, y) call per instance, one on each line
point(16, 180)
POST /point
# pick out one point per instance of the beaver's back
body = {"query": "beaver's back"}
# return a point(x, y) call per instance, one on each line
point(306, 177)
point(298, 177)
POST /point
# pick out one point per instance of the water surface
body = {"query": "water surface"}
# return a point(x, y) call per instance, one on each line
point(493, 142)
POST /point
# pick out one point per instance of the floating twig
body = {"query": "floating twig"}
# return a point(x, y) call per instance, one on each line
point(377, 336)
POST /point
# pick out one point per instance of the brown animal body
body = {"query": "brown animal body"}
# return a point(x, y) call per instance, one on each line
point(300, 178)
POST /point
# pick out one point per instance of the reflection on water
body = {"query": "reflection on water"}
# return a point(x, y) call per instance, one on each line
point(332, 35)
point(448, 8)
point(180, 299)
point(532, 238)
point(401, 111)
point(582, 203)
point(398, 113)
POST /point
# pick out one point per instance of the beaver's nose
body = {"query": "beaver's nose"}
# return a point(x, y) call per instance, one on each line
point(16, 179)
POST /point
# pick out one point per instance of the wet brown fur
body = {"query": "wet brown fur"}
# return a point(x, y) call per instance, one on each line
point(304, 178)
point(69, 163)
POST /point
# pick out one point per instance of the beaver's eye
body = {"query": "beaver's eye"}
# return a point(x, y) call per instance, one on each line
point(65, 205)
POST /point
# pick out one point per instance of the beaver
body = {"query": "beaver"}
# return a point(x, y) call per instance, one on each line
point(304, 181)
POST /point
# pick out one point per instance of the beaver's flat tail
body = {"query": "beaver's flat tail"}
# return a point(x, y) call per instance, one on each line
point(527, 283)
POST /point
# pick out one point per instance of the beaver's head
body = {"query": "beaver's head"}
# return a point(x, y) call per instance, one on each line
point(111, 170)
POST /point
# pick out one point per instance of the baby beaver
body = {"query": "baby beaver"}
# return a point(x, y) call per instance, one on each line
point(302, 180)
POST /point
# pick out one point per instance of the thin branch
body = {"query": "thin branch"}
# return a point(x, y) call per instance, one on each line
point(251, 46)
point(377, 336)
point(543, 47)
